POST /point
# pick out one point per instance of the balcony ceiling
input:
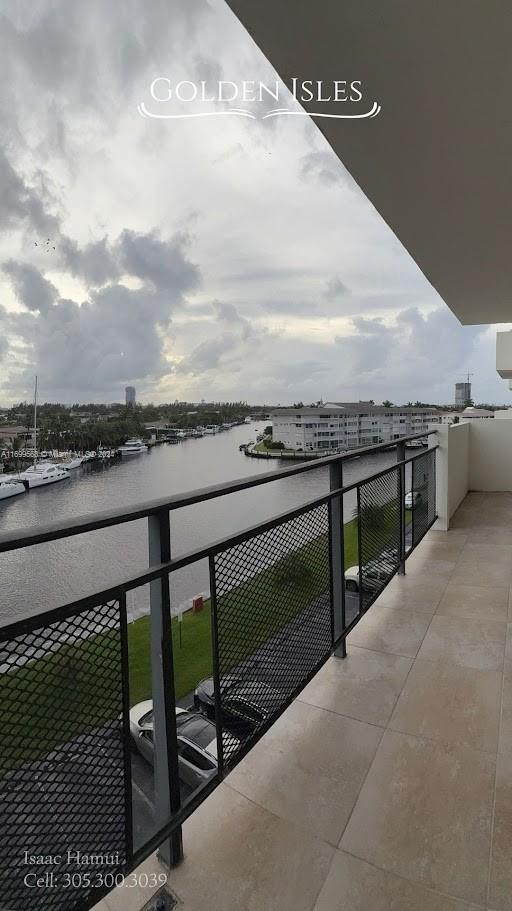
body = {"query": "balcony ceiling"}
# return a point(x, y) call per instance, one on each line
point(437, 162)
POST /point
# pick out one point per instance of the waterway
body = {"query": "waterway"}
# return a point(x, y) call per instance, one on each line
point(44, 576)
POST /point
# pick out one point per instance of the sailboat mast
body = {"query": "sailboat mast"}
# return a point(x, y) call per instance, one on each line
point(35, 424)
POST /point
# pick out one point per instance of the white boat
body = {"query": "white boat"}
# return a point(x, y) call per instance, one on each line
point(73, 463)
point(211, 428)
point(133, 447)
point(43, 473)
point(11, 487)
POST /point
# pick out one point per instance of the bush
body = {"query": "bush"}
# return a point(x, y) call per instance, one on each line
point(292, 572)
point(271, 445)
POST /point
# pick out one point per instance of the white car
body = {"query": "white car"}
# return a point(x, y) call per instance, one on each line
point(413, 499)
point(375, 573)
point(197, 742)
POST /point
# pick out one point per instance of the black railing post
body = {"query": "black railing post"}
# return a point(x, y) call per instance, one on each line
point(337, 541)
point(400, 456)
point(167, 782)
point(125, 673)
point(216, 667)
point(360, 551)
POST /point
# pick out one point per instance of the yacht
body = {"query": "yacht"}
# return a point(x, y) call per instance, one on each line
point(73, 462)
point(10, 487)
point(211, 428)
point(43, 473)
point(133, 447)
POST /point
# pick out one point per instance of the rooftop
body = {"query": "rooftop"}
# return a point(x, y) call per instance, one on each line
point(388, 783)
point(353, 408)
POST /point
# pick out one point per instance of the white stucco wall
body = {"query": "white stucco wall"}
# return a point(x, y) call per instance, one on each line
point(452, 469)
point(490, 455)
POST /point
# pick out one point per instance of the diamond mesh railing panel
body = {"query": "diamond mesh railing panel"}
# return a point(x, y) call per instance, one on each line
point(379, 534)
point(273, 622)
point(423, 494)
point(62, 759)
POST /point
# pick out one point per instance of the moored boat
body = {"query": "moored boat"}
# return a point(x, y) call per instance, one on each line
point(133, 447)
point(11, 487)
point(43, 473)
point(71, 464)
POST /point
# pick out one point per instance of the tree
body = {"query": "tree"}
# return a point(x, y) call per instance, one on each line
point(387, 404)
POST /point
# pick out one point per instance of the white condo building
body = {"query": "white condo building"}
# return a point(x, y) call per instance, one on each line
point(347, 425)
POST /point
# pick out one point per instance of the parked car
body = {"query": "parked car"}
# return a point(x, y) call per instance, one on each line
point(245, 704)
point(197, 742)
point(413, 499)
point(375, 573)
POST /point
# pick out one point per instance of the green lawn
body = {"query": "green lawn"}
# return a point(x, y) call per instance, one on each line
point(69, 683)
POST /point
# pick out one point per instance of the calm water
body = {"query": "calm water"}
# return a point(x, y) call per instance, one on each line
point(45, 576)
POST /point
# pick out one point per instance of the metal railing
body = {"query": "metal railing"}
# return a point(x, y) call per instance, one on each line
point(280, 605)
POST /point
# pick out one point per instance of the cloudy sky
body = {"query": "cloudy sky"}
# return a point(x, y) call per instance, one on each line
point(216, 257)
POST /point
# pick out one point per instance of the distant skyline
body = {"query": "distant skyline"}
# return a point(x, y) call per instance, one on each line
point(222, 258)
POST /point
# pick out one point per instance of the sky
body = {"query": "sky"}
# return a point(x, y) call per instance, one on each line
point(217, 258)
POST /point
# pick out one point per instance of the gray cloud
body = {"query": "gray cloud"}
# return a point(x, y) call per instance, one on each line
point(20, 204)
point(334, 288)
point(163, 263)
point(207, 355)
point(95, 263)
point(115, 336)
point(31, 289)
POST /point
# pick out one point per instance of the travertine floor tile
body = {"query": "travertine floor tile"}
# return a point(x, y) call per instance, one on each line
point(508, 644)
point(438, 550)
point(412, 592)
point(309, 768)
point(240, 856)
point(483, 602)
point(353, 885)
point(494, 554)
point(419, 565)
point(391, 629)
point(490, 534)
point(483, 572)
point(147, 879)
point(447, 702)
point(473, 643)
point(505, 741)
point(445, 537)
point(424, 812)
point(364, 685)
point(500, 885)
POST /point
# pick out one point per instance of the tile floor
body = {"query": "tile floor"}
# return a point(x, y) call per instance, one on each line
point(387, 786)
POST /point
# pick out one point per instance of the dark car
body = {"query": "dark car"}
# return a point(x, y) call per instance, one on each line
point(246, 704)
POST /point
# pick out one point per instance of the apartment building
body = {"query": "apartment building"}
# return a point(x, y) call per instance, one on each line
point(347, 425)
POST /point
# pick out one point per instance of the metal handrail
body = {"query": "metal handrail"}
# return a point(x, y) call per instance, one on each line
point(53, 531)
point(170, 811)
point(159, 570)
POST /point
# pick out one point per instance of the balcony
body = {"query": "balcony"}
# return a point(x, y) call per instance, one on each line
point(378, 780)
point(387, 783)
